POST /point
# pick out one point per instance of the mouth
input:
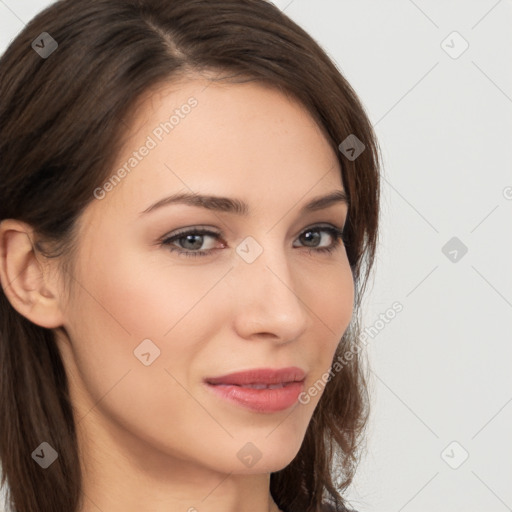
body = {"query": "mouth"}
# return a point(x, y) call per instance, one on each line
point(259, 398)
point(261, 390)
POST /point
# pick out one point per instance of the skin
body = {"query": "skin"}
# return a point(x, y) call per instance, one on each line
point(152, 438)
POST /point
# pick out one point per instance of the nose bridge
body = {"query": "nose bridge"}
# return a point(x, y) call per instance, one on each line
point(269, 301)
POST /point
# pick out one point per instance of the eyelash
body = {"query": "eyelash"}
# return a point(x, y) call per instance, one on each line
point(336, 233)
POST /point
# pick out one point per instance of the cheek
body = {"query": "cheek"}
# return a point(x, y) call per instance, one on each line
point(135, 298)
point(338, 301)
point(330, 299)
point(115, 309)
point(331, 306)
point(142, 297)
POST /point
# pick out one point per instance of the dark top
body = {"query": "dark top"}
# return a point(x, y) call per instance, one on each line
point(327, 507)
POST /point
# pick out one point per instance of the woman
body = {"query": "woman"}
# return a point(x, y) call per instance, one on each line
point(189, 200)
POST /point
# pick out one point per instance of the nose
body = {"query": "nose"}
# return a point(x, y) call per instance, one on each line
point(267, 297)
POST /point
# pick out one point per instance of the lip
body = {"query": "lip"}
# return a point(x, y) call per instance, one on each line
point(289, 384)
point(259, 400)
point(260, 376)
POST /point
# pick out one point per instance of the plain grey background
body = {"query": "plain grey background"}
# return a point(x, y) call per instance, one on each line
point(436, 81)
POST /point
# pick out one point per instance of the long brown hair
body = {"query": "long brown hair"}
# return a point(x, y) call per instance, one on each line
point(63, 116)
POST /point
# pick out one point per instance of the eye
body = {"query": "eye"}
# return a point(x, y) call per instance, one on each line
point(188, 242)
point(192, 239)
point(313, 235)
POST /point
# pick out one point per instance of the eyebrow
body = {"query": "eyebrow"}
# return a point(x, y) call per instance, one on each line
point(239, 207)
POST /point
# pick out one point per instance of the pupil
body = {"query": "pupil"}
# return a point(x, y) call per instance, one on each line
point(314, 234)
point(199, 241)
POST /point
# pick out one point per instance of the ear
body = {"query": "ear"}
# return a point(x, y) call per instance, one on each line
point(27, 284)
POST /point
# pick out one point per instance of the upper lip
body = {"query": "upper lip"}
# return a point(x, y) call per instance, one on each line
point(260, 376)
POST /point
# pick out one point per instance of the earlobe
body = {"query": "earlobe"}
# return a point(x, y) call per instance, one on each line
point(26, 283)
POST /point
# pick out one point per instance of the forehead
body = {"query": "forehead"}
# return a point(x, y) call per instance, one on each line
point(248, 139)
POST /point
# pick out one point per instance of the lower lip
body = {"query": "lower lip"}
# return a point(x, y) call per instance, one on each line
point(260, 400)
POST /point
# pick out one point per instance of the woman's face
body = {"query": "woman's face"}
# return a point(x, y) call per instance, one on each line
point(148, 324)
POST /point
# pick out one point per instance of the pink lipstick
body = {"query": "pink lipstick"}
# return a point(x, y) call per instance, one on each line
point(262, 389)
